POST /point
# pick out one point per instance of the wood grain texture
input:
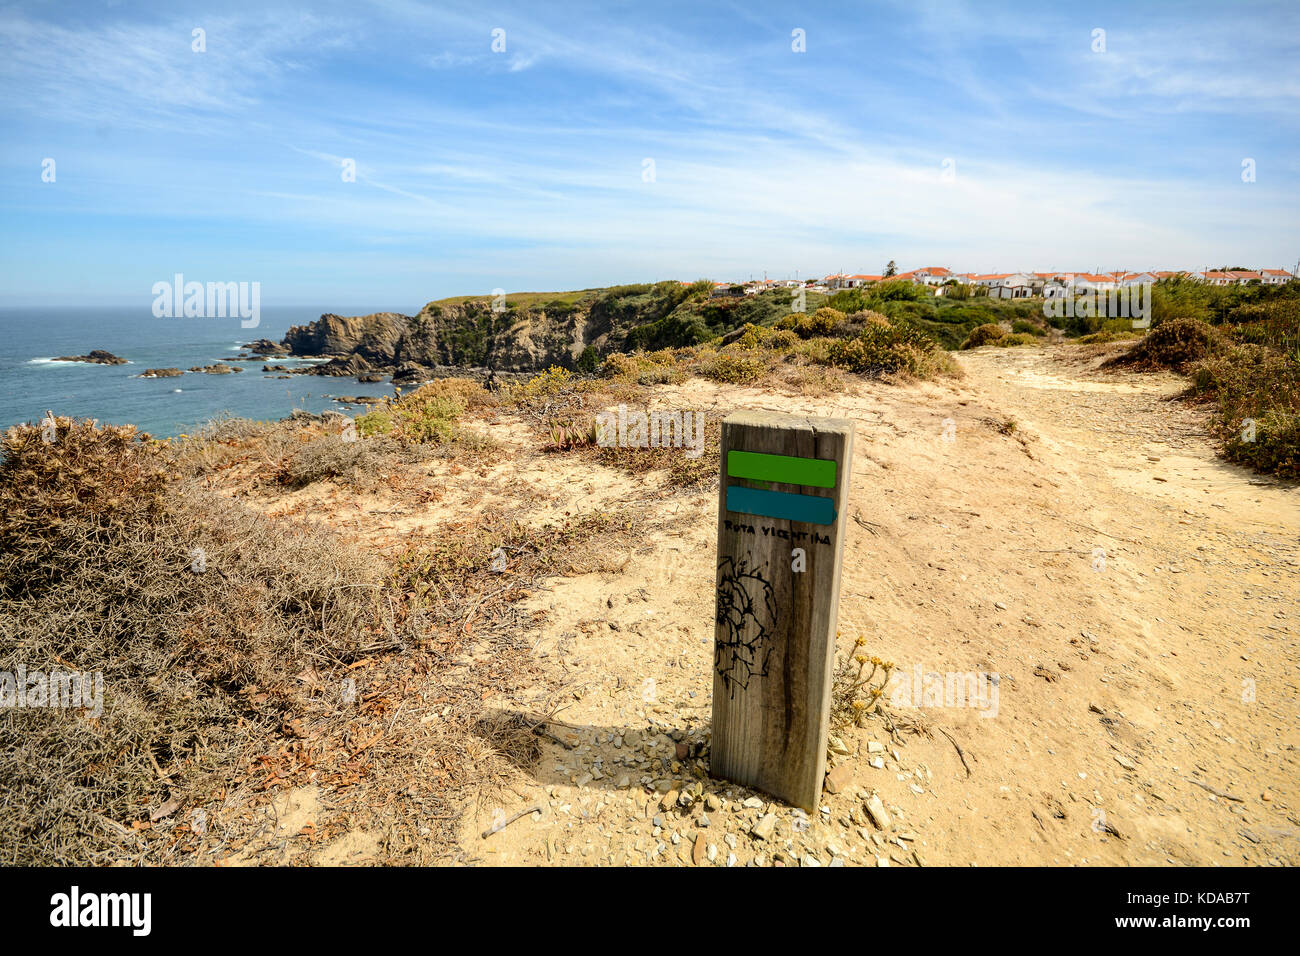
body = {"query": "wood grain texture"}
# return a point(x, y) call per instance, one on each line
point(774, 636)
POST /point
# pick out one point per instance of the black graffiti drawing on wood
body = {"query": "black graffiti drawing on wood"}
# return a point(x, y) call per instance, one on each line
point(746, 616)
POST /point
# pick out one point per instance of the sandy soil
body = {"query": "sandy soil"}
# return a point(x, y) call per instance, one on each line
point(1133, 596)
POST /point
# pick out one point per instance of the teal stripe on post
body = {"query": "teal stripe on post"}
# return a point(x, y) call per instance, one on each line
point(780, 504)
point(785, 469)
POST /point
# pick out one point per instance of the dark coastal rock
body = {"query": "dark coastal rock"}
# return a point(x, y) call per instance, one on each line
point(462, 335)
point(161, 373)
point(342, 366)
point(411, 373)
point(94, 357)
point(218, 369)
point(274, 368)
point(358, 399)
point(264, 347)
point(370, 377)
point(374, 337)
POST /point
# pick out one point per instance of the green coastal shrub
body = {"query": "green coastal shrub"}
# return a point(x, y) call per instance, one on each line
point(734, 369)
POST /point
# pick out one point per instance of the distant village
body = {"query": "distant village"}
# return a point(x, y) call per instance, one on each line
point(1010, 285)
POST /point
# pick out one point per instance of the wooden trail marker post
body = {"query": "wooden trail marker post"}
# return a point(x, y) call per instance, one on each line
point(785, 485)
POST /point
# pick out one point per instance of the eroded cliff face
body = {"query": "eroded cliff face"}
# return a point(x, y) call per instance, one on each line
point(374, 337)
point(464, 334)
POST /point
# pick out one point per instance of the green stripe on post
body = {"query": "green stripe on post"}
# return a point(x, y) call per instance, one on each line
point(756, 466)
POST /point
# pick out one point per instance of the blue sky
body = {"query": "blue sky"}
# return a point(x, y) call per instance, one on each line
point(525, 169)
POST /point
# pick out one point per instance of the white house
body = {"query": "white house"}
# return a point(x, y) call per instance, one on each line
point(1006, 285)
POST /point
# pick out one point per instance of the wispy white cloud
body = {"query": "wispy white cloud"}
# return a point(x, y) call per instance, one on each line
point(475, 163)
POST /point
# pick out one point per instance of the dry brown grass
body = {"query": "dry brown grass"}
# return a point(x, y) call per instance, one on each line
point(225, 640)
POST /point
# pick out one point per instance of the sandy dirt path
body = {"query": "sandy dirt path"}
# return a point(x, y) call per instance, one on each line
point(1068, 534)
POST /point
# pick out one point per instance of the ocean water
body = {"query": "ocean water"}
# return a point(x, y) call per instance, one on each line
point(31, 384)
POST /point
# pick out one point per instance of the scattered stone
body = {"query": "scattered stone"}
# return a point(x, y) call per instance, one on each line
point(876, 811)
point(839, 778)
point(753, 803)
point(765, 827)
point(698, 851)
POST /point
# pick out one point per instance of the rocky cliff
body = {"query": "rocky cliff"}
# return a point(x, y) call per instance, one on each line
point(526, 336)
point(464, 334)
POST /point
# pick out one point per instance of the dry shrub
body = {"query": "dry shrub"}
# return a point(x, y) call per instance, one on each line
point(1174, 344)
point(1017, 338)
point(468, 393)
point(199, 613)
point(815, 380)
point(68, 482)
point(224, 443)
point(362, 463)
point(682, 470)
point(987, 334)
point(865, 317)
point(479, 566)
point(661, 367)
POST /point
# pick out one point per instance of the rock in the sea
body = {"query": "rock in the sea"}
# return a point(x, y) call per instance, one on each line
point(219, 368)
point(94, 357)
point(410, 373)
point(266, 347)
point(342, 366)
point(161, 373)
